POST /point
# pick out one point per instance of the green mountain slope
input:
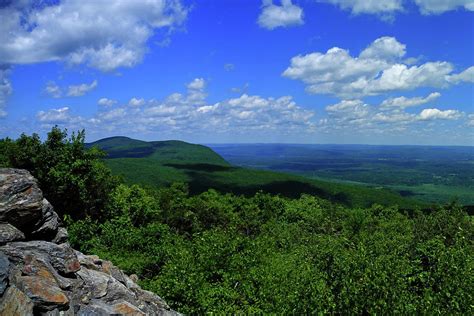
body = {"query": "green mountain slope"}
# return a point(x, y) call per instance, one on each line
point(174, 151)
point(162, 163)
point(121, 146)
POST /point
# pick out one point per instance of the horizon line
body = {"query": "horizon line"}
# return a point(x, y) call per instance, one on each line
point(282, 143)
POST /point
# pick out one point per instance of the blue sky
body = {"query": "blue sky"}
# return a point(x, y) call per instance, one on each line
point(308, 71)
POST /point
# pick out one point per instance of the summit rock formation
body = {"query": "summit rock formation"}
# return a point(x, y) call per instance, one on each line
point(40, 274)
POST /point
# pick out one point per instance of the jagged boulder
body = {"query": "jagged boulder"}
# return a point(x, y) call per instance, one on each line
point(47, 227)
point(41, 274)
point(9, 233)
point(21, 200)
point(15, 303)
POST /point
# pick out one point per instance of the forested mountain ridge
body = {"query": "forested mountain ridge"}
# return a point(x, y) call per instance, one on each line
point(163, 151)
point(161, 163)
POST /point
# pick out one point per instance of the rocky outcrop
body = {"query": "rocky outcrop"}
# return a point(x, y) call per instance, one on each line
point(40, 274)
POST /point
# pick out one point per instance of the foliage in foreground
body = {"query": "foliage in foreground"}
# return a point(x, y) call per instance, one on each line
point(225, 253)
point(72, 177)
point(261, 254)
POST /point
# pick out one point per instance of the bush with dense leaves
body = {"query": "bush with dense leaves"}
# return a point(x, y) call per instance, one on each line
point(72, 177)
point(267, 254)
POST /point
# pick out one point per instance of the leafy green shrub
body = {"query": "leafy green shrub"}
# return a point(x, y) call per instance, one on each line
point(215, 253)
point(72, 177)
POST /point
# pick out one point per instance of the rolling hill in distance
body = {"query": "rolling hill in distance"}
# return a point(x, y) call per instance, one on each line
point(161, 163)
point(163, 151)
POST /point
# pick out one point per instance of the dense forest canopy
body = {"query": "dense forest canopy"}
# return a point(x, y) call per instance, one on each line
point(72, 178)
point(226, 253)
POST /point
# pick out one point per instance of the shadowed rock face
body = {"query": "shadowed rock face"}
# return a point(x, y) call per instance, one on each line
point(21, 200)
point(40, 274)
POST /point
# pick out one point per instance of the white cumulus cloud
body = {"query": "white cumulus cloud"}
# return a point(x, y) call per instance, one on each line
point(441, 6)
point(434, 114)
point(404, 102)
point(196, 91)
point(102, 34)
point(390, 115)
point(197, 84)
point(349, 109)
point(81, 89)
point(284, 15)
point(106, 102)
point(465, 76)
point(191, 113)
point(136, 102)
point(384, 48)
point(377, 69)
point(369, 6)
point(55, 116)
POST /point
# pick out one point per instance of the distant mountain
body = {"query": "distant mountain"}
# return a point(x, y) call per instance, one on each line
point(161, 163)
point(121, 146)
point(164, 151)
